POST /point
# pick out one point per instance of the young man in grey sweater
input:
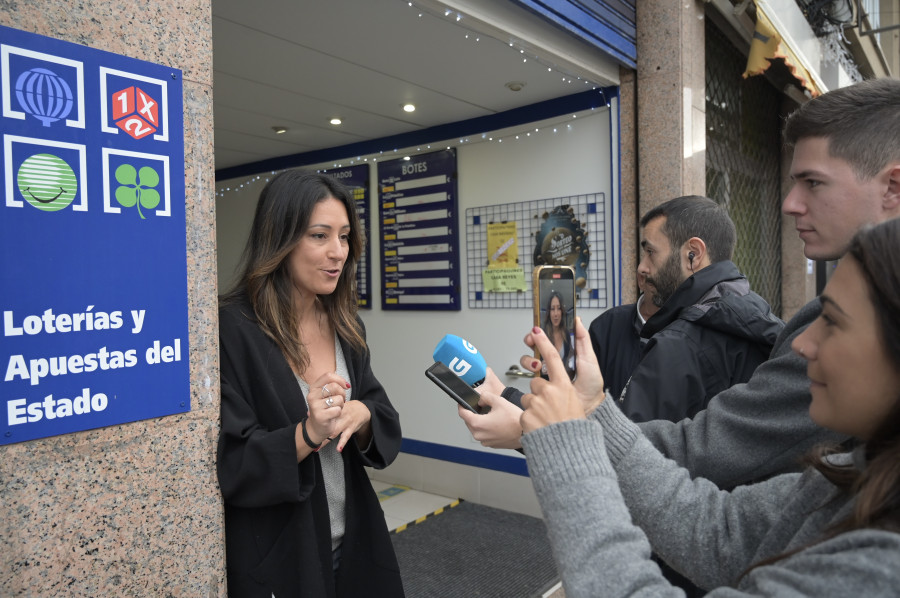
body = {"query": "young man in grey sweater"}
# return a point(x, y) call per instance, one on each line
point(846, 173)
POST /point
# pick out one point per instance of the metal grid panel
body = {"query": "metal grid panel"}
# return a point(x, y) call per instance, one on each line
point(743, 162)
point(594, 213)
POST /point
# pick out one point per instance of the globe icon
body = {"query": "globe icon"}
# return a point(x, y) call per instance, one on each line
point(44, 95)
point(47, 182)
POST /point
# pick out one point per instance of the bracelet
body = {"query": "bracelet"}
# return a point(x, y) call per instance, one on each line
point(306, 437)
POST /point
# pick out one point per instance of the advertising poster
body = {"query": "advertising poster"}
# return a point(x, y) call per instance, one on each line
point(93, 264)
point(562, 241)
point(503, 273)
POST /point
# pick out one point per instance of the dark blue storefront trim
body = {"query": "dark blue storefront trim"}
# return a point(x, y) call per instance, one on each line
point(485, 460)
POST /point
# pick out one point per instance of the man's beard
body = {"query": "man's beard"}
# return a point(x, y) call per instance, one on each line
point(666, 281)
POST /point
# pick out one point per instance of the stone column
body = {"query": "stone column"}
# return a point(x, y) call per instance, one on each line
point(134, 509)
point(628, 167)
point(671, 102)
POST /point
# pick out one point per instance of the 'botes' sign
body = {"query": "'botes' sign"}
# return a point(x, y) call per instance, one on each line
point(93, 307)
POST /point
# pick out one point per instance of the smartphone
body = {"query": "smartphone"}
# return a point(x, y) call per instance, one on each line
point(454, 386)
point(554, 310)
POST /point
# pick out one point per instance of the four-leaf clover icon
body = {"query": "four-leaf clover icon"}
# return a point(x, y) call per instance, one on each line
point(137, 187)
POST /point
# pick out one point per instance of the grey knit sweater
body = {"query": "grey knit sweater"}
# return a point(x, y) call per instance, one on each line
point(594, 477)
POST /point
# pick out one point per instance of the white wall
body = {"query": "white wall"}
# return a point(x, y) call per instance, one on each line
point(572, 161)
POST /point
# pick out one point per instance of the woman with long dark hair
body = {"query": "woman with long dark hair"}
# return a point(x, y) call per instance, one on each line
point(608, 495)
point(302, 412)
point(555, 325)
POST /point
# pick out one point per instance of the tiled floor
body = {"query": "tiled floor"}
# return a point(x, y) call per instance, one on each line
point(403, 506)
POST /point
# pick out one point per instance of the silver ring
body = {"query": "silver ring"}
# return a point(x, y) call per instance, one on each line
point(330, 402)
point(325, 391)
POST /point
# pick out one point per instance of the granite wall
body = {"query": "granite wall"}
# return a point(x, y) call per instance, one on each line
point(130, 510)
point(628, 148)
point(670, 101)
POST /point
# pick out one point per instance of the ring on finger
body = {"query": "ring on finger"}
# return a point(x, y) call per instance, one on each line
point(325, 391)
point(329, 401)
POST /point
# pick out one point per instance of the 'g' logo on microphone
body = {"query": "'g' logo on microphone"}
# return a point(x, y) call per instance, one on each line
point(469, 347)
point(460, 366)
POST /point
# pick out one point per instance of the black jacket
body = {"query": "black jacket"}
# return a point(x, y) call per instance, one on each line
point(710, 335)
point(277, 529)
point(616, 337)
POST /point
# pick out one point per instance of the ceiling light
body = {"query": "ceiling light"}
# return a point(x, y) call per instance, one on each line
point(279, 130)
point(335, 121)
point(409, 107)
point(515, 85)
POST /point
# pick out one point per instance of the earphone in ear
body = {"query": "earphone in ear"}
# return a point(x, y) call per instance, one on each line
point(691, 255)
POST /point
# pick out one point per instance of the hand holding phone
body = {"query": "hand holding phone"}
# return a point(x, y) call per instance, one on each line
point(554, 310)
point(455, 387)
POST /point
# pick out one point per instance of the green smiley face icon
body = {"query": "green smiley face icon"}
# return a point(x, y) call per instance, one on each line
point(47, 182)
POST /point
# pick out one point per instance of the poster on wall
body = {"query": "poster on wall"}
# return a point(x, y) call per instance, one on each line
point(503, 273)
point(562, 241)
point(92, 239)
point(357, 179)
point(573, 230)
point(419, 233)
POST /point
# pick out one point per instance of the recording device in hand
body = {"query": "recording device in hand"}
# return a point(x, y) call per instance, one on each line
point(454, 386)
point(462, 358)
point(458, 367)
point(554, 310)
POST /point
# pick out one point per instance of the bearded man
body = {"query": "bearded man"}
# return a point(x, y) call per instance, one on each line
point(711, 331)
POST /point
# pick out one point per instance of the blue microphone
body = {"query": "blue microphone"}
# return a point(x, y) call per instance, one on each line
point(462, 358)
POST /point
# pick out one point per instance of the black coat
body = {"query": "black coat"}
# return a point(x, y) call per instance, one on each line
point(711, 334)
point(616, 336)
point(277, 528)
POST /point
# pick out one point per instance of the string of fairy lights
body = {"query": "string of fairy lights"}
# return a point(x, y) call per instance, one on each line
point(459, 18)
point(519, 135)
point(522, 133)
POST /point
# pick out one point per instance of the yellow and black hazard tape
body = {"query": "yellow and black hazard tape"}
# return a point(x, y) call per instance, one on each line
point(403, 527)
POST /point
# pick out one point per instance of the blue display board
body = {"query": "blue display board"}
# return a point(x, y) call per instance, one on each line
point(419, 233)
point(357, 179)
point(92, 239)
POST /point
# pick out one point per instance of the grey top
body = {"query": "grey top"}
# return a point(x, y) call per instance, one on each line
point(331, 461)
point(753, 430)
point(593, 477)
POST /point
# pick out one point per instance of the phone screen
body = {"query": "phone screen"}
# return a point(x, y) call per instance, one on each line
point(454, 386)
point(554, 310)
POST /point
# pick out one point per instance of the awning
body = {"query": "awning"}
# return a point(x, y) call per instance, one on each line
point(771, 41)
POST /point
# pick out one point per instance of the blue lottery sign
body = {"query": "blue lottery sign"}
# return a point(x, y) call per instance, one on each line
point(93, 308)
